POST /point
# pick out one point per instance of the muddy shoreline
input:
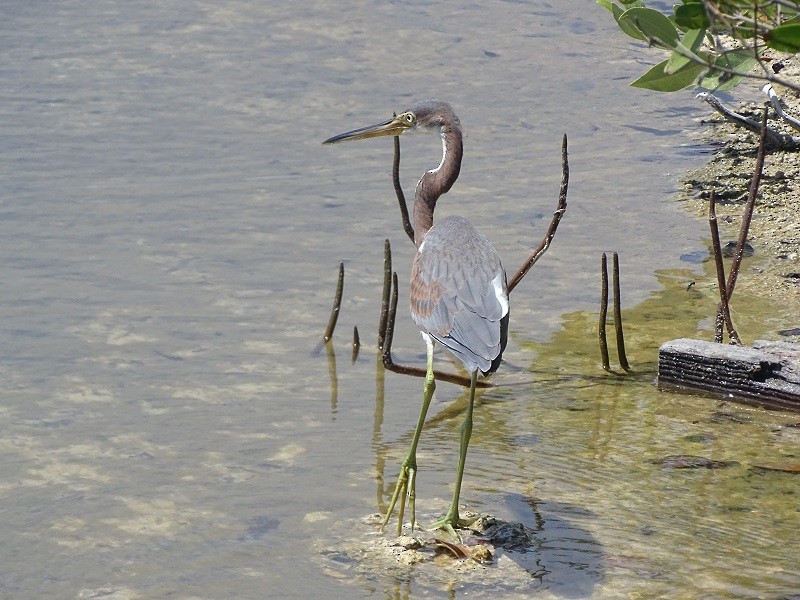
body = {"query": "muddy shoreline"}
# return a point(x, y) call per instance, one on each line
point(773, 273)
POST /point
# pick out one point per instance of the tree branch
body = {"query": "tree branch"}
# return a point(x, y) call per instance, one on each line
point(775, 138)
point(398, 189)
point(551, 230)
point(748, 211)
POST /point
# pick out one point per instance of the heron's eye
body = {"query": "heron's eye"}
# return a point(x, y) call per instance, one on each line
point(409, 118)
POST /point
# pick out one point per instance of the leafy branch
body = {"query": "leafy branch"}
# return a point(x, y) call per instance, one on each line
point(713, 44)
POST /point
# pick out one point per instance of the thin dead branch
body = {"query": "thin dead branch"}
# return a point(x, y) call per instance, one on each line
point(337, 303)
point(387, 290)
point(774, 139)
point(356, 343)
point(755, 182)
point(398, 189)
point(551, 230)
point(333, 373)
point(723, 309)
point(623, 359)
point(775, 101)
point(726, 289)
point(601, 324)
point(388, 333)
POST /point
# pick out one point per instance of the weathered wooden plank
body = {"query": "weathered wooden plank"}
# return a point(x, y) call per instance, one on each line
point(768, 374)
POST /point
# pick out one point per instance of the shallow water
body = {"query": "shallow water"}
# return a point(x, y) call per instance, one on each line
point(171, 231)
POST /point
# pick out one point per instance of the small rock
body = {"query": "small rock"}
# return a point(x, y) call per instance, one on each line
point(729, 249)
point(408, 542)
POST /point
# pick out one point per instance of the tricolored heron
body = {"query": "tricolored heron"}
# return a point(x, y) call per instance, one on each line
point(459, 295)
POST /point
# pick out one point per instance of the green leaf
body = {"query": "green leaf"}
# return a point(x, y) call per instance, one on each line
point(691, 15)
point(659, 80)
point(686, 50)
point(627, 28)
point(616, 10)
point(741, 60)
point(785, 38)
point(656, 26)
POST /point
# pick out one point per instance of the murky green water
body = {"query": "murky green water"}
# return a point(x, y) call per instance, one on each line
point(724, 533)
point(171, 228)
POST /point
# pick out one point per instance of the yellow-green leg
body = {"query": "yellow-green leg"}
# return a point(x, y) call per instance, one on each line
point(406, 481)
point(451, 521)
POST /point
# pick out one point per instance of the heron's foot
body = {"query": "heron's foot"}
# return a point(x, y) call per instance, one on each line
point(405, 490)
point(451, 521)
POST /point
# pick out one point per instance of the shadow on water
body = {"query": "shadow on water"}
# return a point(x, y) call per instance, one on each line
point(566, 559)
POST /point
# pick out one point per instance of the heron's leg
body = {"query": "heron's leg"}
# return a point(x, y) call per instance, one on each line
point(451, 521)
point(406, 481)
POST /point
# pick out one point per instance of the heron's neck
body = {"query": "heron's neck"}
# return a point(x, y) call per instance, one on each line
point(436, 182)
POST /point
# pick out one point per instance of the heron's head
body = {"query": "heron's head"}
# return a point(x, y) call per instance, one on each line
point(430, 115)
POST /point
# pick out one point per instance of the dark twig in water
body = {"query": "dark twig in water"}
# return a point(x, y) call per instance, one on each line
point(551, 230)
point(332, 372)
point(387, 290)
point(356, 343)
point(723, 309)
point(623, 359)
point(337, 303)
point(398, 189)
point(601, 324)
point(388, 332)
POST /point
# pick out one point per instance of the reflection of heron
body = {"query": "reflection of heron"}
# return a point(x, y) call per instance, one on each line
point(459, 296)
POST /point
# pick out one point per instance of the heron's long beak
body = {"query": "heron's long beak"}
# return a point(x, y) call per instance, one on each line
point(394, 126)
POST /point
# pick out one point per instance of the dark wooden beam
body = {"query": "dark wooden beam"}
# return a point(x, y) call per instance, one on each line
point(768, 374)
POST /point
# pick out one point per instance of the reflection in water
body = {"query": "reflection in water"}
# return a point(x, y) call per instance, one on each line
point(330, 352)
point(377, 438)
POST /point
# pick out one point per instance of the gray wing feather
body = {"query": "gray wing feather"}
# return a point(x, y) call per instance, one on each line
point(454, 296)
